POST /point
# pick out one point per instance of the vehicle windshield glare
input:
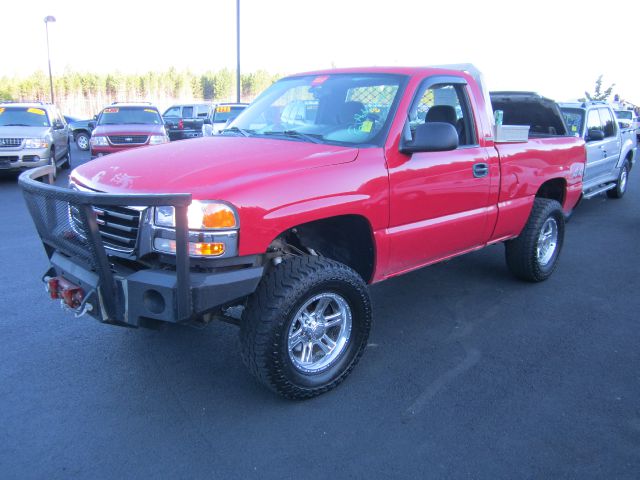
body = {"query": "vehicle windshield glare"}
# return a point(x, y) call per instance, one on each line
point(624, 114)
point(23, 117)
point(129, 115)
point(225, 113)
point(340, 109)
point(574, 118)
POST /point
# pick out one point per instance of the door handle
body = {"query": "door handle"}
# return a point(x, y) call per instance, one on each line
point(480, 170)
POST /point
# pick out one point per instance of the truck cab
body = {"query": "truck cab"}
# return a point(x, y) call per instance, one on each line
point(611, 151)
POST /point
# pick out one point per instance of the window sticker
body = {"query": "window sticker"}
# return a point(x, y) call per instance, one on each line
point(320, 80)
point(1, 110)
point(366, 126)
point(111, 110)
point(149, 110)
point(574, 128)
point(37, 111)
point(223, 109)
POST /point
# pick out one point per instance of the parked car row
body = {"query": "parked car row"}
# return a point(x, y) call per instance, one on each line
point(199, 119)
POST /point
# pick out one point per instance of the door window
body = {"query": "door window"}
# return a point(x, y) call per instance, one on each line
point(608, 123)
point(172, 112)
point(593, 121)
point(445, 103)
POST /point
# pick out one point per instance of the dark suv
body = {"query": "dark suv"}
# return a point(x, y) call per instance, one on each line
point(121, 126)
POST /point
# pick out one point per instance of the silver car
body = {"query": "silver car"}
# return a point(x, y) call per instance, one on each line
point(32, 135)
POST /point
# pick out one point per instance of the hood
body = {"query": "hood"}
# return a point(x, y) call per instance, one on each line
point(24, 132)
point(205, 165)
point(128, 129)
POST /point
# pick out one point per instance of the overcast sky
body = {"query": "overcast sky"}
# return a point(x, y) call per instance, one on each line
point(557, 48)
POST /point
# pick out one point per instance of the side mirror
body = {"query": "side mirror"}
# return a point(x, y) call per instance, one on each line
point(207, 121)
point(92, 125)
point(431, 137)
point(595, 135)
point(95, 117)
point(57, 125)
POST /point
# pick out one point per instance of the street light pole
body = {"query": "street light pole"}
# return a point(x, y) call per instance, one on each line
point(47, 19)
point(238, 51)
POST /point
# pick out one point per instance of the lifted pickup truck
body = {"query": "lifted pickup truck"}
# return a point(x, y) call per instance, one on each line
point(330, 180)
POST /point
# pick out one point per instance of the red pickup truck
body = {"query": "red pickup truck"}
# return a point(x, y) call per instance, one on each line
point(329, 181)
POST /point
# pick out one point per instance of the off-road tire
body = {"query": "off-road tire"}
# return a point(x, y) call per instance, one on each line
point(271, 309)
point(622, 183)
point(521, 252)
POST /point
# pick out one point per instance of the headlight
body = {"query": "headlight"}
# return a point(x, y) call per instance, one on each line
point(158, 139)
point(202, 215)
point(36, 143)
point(99, 141)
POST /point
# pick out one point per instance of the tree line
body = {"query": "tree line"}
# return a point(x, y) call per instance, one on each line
point(87, 93)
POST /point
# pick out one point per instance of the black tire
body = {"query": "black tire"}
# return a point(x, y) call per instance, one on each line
point(522, 254)
point(67, 159)
point(53, 163)
point(82, 141)
point(621, 183)
point(271, 311)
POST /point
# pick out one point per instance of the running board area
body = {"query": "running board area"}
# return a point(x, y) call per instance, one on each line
point(598, 190)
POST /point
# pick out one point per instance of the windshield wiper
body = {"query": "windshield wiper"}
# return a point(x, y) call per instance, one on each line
point(245, 133)
point(310, 137)
point(16, 125)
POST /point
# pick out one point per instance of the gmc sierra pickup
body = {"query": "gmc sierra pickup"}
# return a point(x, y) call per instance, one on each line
point(329, 181)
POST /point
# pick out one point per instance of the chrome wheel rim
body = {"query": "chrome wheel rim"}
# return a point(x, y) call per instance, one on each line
point(83, 142)
point(547, 241)
point(623, 180)
point(319, 333)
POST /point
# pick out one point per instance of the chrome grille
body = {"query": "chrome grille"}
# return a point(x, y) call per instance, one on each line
point(118, 226)
point(128, 139)
point(10, 142)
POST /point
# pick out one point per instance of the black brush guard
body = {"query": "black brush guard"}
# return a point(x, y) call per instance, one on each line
point(115, 291)
point(76, 240)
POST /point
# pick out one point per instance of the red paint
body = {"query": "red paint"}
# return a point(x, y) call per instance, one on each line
point(422, 208)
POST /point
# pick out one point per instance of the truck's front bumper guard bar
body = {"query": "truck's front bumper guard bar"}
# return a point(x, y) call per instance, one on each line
point(82, 244)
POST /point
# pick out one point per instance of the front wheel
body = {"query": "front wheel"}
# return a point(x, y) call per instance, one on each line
point(533, 256)
point(82, 141)
point(53, 163)
point(621, 183)
point(306, 326)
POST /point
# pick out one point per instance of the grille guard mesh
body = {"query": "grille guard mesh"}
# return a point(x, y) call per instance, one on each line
point(49, 207)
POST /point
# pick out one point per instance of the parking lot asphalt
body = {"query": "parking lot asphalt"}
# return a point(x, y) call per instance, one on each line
point(469, 374)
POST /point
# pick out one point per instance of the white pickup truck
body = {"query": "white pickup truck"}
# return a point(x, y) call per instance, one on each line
point(611, 150)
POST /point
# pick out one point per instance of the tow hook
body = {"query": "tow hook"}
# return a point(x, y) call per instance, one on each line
point(71, 296)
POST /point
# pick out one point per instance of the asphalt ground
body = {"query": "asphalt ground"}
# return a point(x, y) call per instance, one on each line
point(469, 374)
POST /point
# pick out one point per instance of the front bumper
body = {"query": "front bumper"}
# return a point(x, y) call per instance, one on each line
point(17, 160)
point(122, 292)
point(152, 294)
point(183, 134)
point(99, 151)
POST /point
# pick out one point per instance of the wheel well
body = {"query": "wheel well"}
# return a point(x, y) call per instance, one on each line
point(347, 239)
point(553, 189)
point(630, 159)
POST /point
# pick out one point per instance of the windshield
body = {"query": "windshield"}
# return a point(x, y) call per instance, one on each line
point(129, 115)
point(340, 109)
point(23, 117)
point(574, 118)
point(225, 113)
point(624, 114)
